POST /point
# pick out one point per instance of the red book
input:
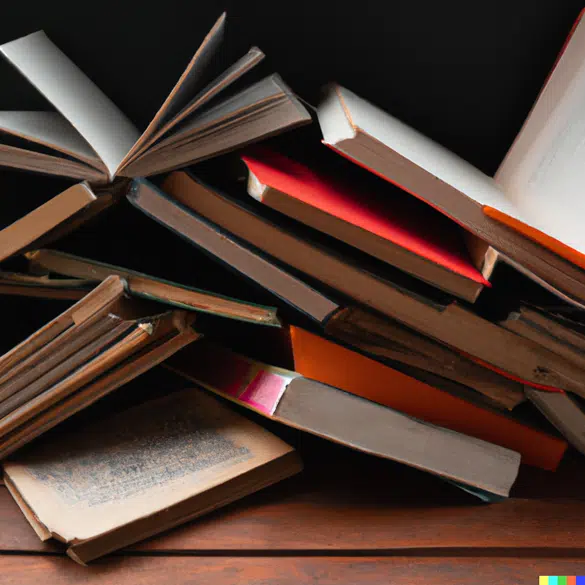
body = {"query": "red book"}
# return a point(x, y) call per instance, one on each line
point(391, 226)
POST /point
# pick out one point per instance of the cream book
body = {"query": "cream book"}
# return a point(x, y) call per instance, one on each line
point(88, 137)
point(530, 211)
point(142, 471)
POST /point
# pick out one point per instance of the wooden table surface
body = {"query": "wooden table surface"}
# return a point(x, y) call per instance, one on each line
point(348, 518)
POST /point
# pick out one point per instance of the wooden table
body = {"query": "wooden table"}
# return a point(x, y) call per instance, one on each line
point(348, 518)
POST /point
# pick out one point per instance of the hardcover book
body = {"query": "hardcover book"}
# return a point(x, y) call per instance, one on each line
point(484, 469)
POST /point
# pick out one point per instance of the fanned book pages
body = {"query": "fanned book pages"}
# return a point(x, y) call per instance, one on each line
point(84, 272)
point(95, 346)
point(485, 469)
point(385, 289)
point(142, 471)
point(89, 138)
point(531, 211)
point(392, 227)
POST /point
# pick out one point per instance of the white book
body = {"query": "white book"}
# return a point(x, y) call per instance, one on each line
point(537, 190)
point(89, 137)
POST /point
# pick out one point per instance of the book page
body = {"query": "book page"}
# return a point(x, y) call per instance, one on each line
point(82, 103)
point(50, 129)
point(229, 76)
point(185, 87)
point(138, 462)
point(543, 172)
point(261, 110)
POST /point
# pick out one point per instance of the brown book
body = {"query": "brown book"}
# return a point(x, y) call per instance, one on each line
point(92, 348)
point(485, 469)
point(555, 332)
point(394, 294)
point(53, 219)
point(28, 285)
point(143, 285)
point(387, 339)
point(88, 137)
point(124, 478)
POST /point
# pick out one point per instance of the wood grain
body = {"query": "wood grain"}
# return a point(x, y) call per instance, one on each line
point(379, 508)
point(24, 570)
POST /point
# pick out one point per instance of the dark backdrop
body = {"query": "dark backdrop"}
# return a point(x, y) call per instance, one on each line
point(463, 72)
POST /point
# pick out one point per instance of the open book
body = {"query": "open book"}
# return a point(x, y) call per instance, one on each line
point(89, 138)
point(149, 468)
point(531, 211)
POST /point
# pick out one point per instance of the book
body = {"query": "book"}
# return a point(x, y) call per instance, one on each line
point(399, 230)
point(285, 396)
point(385, 289)
point(135, 473)
point(337, 318)
point(88, 138)
point(142, 285)
point(53, 219)
point(27, 285)
point(514, 211)
point(327, 362)
point(384, 339)
point(563, 412)
point(233, 253)
point(558, 333)
point(92, 348)
point(490, 259)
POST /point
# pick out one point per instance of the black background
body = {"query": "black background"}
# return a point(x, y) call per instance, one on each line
point(464, 73)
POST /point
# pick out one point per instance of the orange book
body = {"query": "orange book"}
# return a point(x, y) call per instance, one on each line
point(329, 363)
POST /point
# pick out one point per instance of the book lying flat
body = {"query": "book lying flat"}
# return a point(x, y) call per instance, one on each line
point(142, 471)
point(89, 138)
point(328, 412)
point(95, 346)
point(52, 220)
point(384, 289)
point(142, 285)
point(320, 359)
point(530, 211)
point(399, 230)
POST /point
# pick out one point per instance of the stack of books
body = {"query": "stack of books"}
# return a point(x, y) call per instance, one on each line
point(393, 299)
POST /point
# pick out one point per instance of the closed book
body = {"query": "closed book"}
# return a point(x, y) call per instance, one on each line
point(385, 289)
point(92, 348)
point(86, 270)
point(484, 469)
point(320, 359)
point(530, 211)
point(394, 228)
